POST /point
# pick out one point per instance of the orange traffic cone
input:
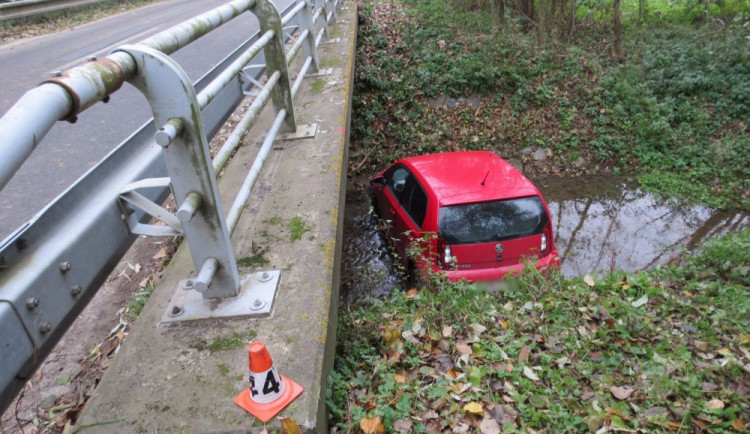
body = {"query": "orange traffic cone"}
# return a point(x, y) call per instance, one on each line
point(269, 392)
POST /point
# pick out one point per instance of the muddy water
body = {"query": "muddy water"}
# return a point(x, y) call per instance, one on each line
point(600, 224)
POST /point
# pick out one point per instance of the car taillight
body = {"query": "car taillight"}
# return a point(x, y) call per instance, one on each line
point(546, 242)
point(445, 257)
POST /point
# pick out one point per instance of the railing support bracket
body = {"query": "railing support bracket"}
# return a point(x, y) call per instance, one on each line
point(256, 298)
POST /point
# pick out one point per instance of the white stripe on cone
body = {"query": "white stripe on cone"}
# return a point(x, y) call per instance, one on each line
point(266, 386)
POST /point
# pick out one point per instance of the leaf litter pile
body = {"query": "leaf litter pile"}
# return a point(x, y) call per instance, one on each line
point(664, 350)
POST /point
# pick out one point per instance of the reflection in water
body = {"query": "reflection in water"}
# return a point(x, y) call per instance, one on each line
point(607, 226)
point(600, 224)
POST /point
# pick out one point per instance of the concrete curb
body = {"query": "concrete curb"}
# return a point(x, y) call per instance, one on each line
point(183, 378)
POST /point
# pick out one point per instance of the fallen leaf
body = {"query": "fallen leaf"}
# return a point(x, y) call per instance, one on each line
point(447, 331)
point(523, 356)
point(402, 425)
point(160, 254)
point(621, 393)
point(640, 302)
point(391, 335)
point(474, 408)
point(610, 410)
point(738, 424)
point(412, 293)
point(503, 324)
point(464, 348)
point(504, 414)
point(372, 426)
point(489, 426)
point(589, 280)
point(715, 404)
point(399, 378)
point(529, 373)
point(289, 426)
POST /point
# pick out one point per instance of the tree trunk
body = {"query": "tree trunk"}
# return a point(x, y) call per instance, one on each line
point(498, 7)
point(572, 19)
point(641, 11)
point(526, 9)
point(617, 24)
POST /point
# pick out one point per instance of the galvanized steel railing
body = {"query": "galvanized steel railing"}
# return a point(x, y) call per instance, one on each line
point(53, 265)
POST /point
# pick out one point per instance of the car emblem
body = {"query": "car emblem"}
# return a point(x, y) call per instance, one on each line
point(499, 248)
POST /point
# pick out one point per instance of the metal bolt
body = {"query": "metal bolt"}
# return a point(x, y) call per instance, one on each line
point(188, 284)
point(75, 290)
point(92, 59)
point(56, 73)
point(176, 311)
point(73, 119)
point(45, 327)
point(265, 276)
point(65, 266)
point(32, 302)
point(257, 303)
point(105, 99)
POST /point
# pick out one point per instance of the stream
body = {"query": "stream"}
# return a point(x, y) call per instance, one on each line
point(600, 224)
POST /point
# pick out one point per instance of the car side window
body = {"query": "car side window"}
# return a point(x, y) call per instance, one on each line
point(408, 192)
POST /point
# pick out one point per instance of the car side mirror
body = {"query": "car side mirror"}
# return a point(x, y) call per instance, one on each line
point(379, 180)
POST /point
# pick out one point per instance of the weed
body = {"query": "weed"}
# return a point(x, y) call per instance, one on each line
point(318, 86)
point(231, 342)
point(297, 227)
point(253, 261)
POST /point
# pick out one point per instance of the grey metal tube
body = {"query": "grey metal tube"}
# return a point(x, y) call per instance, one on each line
point(178, 36)
point(297, 45)
point(301, 76)
point(319, 37)
point(83, 86)
point(24, 125)
point(233, 217)
point(222, 157)
point(288, 17)
point(213, 88)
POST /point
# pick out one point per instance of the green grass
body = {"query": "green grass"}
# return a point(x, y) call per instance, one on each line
point(662, 350)
point(232, 341)
point(297, 227)
point(253, 261)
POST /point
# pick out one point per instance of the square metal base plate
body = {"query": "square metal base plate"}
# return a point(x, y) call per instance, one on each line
point(304, 131)
point(257, 294)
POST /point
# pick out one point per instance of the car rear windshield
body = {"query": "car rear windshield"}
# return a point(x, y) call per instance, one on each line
point(498, 220)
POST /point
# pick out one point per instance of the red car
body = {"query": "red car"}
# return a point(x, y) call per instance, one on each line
point(473, 215)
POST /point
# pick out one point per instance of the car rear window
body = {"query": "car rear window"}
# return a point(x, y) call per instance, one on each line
point(498, 220)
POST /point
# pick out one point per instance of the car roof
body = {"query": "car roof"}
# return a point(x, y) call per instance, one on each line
point(469, 176)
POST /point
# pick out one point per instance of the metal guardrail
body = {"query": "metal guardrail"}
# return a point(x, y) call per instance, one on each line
point(52, 266)
point(27, 8)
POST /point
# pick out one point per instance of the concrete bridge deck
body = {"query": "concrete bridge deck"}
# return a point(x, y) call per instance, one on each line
point(183, 378)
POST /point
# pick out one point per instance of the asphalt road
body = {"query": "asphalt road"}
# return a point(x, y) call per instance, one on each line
point(68, 151)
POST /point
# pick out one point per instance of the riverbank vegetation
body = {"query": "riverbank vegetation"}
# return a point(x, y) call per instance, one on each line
point(655, 90)
point(671, 108)
point(663, 350)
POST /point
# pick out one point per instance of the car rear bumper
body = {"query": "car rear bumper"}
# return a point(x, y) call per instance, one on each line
point(490, 274)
